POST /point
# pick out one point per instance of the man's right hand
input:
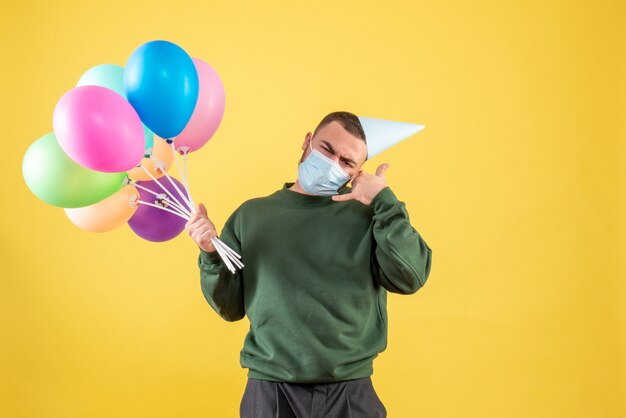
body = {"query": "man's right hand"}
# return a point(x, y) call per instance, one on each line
point(201, 229)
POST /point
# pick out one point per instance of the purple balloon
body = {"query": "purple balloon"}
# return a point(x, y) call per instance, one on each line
point(154, 224)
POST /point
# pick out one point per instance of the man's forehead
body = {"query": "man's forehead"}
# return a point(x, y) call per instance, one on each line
point(342, 141)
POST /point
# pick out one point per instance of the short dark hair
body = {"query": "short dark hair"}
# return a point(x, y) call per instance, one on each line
point(349, 121)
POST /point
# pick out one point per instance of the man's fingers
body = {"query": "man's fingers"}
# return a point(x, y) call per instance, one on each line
point(202, 209)
point(208, 236)
point(380, 171)
point(343, 197)
point(200, 212)
point(203, 232)
point(199, 225)
point(193, 222)
point(357, 178)
point(195, 217)
point(201, 229)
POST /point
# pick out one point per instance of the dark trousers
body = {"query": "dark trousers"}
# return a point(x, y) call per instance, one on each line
point(348, 399)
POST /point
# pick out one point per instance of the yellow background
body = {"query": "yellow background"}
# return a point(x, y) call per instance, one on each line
point(517, 183)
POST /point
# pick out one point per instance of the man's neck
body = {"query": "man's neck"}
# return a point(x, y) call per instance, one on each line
point(297, 188)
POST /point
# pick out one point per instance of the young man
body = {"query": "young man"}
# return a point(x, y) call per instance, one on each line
point(319, 259)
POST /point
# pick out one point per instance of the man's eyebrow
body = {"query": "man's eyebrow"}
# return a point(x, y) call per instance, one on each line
point(330, 147)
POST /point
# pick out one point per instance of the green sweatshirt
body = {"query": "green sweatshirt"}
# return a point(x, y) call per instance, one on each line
point(315, 282)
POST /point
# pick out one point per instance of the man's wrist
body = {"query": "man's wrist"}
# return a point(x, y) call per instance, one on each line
point(384, 195)
point(377, 194)
point(211, 256)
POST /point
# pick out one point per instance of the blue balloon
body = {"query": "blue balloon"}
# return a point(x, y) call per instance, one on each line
point(161, 83)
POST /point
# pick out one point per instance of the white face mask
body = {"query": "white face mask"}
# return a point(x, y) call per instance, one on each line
point(319, 175)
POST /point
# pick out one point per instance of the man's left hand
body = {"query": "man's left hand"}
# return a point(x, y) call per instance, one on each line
point(365, 186)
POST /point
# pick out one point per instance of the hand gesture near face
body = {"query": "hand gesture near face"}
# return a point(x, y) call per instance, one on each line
point(365, 186)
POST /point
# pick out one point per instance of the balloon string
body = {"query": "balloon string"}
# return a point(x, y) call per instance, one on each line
point(182, 176)
point(232, 258)
point(222, 249)
point(142, 202)
point(180, 173)
point(228, 252)
point(177, 189)
point(220, 244)
point(229, 256)
point(186, 177)
point(174, 205)
point(159, 183)
point(223, 256)
point(227, 248)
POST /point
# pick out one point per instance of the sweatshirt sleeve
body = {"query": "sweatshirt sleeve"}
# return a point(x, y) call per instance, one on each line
point(222, 289)
point(402, 258)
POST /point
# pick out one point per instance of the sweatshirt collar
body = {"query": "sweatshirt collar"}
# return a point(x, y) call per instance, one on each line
point(306, 199)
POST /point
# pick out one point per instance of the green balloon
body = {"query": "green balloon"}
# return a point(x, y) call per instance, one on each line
point(56, 179)
point(111, 76)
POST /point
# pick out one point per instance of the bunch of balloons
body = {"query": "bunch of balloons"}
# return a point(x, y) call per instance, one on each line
point(118, 132)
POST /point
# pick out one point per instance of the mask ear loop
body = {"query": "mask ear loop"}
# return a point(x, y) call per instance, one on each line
point(349, 180)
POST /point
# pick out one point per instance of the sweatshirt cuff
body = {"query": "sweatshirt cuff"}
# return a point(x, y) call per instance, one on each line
point(209, 258)
point(383, 199)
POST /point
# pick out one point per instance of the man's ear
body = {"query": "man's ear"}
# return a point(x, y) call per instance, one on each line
point(307, 138)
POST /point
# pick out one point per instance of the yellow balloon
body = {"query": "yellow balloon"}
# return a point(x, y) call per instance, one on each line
point(162, 152)
point(107, 214)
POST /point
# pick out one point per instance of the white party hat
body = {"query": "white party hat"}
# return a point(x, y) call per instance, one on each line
point(381, 134)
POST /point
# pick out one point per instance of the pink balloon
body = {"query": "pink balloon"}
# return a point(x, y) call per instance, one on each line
point(208, 112)
point(99, 129)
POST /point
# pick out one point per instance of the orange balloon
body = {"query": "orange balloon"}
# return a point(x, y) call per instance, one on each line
point(162, 151)
point(107, 214)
